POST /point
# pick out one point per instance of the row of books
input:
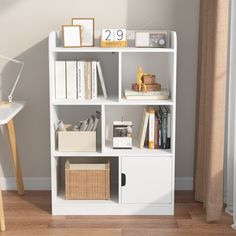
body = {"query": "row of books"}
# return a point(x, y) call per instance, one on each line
point(155, 130)
point(77, 80)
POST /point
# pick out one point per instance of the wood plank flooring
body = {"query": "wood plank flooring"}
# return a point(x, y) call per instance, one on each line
point(30, 215)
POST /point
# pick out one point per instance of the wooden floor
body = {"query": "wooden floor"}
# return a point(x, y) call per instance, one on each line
point(30, 215)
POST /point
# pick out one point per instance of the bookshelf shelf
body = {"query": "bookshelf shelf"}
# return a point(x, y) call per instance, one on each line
point(113, 101)
point(168, 102)
point(98, 101)
point(136, 151)
point(99, 49)
point(77, 154)
point(61, 200)
point(149, 188)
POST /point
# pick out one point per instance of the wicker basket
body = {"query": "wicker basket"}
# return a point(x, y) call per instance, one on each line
point(87, 181)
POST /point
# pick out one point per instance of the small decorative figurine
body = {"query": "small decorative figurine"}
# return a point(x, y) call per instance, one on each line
point(146, 82)
point(140, 83)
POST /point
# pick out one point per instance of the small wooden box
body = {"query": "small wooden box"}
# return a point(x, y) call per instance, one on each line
point(77, 141)
point(113, 44)
point(87, 181)
point(149, 79)
point(149, 87)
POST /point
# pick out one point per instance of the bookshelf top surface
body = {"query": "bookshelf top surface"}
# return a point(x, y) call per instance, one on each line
point(56, 47)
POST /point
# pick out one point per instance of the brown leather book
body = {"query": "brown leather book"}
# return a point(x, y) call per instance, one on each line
point(149, 87)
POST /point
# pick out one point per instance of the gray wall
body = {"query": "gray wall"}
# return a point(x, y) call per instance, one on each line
point(25, 26)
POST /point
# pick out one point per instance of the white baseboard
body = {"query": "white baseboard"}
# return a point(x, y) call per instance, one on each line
point(184, 183)
point(44, 183)
point(229, 210)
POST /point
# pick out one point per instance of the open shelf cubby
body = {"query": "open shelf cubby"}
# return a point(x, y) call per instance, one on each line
point(142, 179)
point(114, 178)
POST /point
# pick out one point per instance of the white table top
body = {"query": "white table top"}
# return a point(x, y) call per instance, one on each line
point(8, 111)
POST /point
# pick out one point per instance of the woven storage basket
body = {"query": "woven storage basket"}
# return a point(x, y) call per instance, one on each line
point(87, 181)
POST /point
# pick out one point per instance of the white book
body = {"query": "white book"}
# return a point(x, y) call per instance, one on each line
point(161, 95)
point(143, 128)
point(101, 79)
point(88, 79)
point(94, 80)
point(151, 136)
point(80, 80)
point(71, 88)
point(60, 80)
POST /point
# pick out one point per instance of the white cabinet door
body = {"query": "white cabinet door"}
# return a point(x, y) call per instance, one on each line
point(146, 180)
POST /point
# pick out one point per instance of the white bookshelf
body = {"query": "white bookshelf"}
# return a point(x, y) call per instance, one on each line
point(149, 188)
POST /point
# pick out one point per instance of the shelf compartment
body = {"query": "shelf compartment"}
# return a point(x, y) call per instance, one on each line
point(109, 67)
point(133, 113)
point(73, 115)
point(114, 178)
point(158, 64)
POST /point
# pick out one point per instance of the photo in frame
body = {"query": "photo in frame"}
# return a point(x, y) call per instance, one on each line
point(87, 30)
point(71, 36)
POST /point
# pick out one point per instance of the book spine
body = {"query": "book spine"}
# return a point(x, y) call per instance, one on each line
point(94, 80)
point(151, 130)
point(80, 80)
point(86, 83)
point(89, 80)
point(60, 80)
point(101, 79)
point(164, 130)
point(156, 132)
point(146, 142)
point(159, 130)
point(168, 130)
point(71, 88)
point(143, 128)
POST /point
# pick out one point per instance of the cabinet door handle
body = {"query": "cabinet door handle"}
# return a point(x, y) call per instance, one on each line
point(123, 179)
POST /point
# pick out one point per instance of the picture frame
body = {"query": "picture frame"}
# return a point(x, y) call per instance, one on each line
point(87, 30)
point(71, 36)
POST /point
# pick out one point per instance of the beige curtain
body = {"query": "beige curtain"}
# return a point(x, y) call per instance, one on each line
point(211, 99)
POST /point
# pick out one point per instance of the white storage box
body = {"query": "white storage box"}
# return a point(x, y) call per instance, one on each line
point(77, 141)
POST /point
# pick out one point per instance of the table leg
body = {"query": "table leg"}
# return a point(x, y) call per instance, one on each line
point(15, 157)
point(2, 219)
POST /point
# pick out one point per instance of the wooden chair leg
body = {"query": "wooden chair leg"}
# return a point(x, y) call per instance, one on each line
point(15, 157)
point(2, 218)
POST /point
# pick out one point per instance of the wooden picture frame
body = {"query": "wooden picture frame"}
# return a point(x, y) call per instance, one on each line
point(87, 30)
point(71, 36)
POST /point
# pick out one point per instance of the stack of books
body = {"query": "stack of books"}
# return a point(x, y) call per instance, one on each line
point(77, 80)
point(155, 130)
